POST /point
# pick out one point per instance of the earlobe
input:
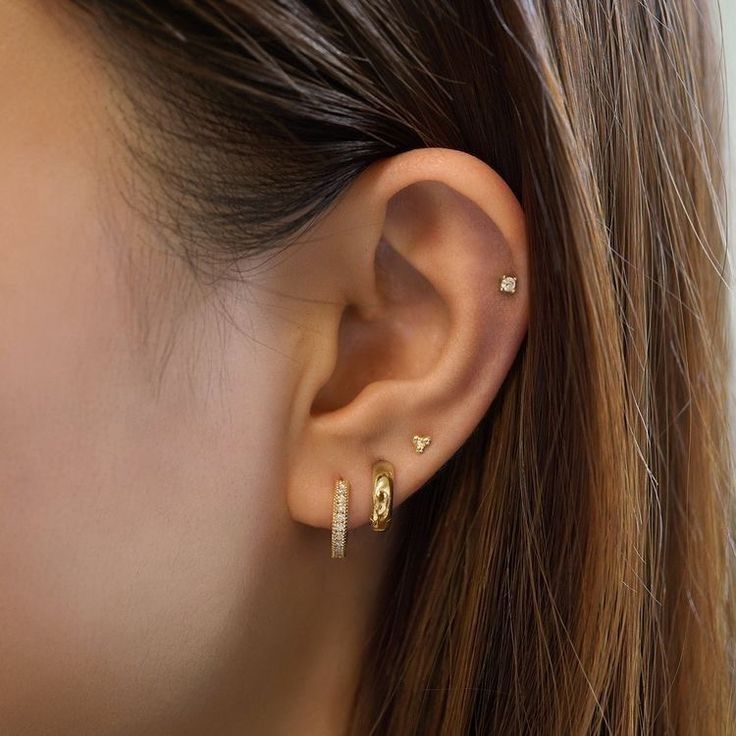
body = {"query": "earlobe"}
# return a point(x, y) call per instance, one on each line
point(428, 253)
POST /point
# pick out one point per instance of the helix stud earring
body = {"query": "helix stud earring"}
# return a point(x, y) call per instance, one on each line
point(382, 496)
point(507, 284)
point(421, 443)
point(340, 517)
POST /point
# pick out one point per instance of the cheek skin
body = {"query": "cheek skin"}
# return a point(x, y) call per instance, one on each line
point(130, 532)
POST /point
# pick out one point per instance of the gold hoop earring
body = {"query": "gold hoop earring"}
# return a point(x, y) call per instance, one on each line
point(340, 517)
point(382, 497)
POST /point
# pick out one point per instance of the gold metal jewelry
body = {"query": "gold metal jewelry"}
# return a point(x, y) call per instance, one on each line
point(421, 443)
point(383, 495)
point(507, 284)
point(340, 517)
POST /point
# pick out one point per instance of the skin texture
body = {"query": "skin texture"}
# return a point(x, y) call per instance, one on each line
point(170, 449)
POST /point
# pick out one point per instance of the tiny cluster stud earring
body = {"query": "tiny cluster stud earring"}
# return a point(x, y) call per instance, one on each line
point(420, 443)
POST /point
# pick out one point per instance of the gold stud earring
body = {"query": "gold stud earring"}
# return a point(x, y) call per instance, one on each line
point(507, 284)
point(383, 495)
point(421, 443)
point(340, 517)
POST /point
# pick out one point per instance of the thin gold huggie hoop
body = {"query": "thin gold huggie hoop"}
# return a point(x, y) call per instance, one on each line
point(383, 495)
point(340, 501)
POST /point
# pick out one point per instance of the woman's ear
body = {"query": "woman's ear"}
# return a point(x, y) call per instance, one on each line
point(405, 328)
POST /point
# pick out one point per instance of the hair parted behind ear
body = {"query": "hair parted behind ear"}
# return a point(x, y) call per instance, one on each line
point(568, 571)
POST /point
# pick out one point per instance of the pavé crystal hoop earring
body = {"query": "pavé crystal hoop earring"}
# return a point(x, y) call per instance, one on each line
point(340, 516)
point(382, 497)
point(507, 284)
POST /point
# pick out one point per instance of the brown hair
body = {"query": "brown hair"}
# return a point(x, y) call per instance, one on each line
point(569, 570)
